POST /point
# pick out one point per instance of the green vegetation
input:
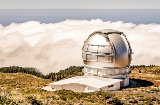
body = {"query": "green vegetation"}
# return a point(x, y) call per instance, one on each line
point(67, 73)
point(4, 100)
point(62, 74)
point(22, 86)
point(34, 101)
point(16, 69)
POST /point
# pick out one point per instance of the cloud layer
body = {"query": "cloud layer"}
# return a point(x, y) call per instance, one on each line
point(55, 46)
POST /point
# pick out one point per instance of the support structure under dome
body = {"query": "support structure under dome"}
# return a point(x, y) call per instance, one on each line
point(107, 53)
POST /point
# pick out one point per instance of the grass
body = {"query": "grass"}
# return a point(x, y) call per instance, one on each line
point(24, 89)
point(147, 73)
point(138, 99)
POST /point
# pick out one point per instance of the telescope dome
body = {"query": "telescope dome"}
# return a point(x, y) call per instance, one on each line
point(106, 49)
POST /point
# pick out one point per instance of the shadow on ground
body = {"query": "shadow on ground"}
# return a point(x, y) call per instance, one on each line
point(140, 83)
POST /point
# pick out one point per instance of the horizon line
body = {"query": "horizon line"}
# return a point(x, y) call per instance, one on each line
point(80, 8)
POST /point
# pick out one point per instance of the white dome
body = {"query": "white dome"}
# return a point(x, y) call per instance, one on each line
point(106, 49)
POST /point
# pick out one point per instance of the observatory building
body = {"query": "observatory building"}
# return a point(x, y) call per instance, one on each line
point(107, 56)
point(107, 53)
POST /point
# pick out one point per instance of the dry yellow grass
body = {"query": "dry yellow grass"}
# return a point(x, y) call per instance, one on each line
point(20, 86)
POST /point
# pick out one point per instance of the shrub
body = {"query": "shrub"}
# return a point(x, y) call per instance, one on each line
point(34, 101)
point(4, 100)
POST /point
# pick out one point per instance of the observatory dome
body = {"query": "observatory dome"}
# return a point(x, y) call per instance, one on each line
point(107, 56)
point(106, 49)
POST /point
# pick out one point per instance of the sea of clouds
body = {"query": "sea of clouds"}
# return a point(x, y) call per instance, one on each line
point(55, 46)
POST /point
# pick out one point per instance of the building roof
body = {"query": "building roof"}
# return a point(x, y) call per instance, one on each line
point(92, 81)
point(48, 88)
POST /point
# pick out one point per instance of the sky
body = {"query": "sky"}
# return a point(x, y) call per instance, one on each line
point(79, 4)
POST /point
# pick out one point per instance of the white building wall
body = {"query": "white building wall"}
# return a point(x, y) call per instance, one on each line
point(115, 87)
point(82, 88)
point(92, 88)
point(57, 87)
point(126, 80)
point(75, 87)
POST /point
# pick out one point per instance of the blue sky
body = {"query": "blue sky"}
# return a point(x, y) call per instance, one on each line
point(79, 4)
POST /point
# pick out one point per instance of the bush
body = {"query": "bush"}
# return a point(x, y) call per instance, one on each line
point(4, 100)
point(17, 69)
point(115, 101)
point(34, 101)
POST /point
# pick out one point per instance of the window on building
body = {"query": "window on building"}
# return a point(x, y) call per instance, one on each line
point(110, 86)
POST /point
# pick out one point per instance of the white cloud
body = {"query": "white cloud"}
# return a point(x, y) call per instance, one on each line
point(55, 46)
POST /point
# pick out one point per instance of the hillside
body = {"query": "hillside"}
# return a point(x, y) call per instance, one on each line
point(23, 89)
